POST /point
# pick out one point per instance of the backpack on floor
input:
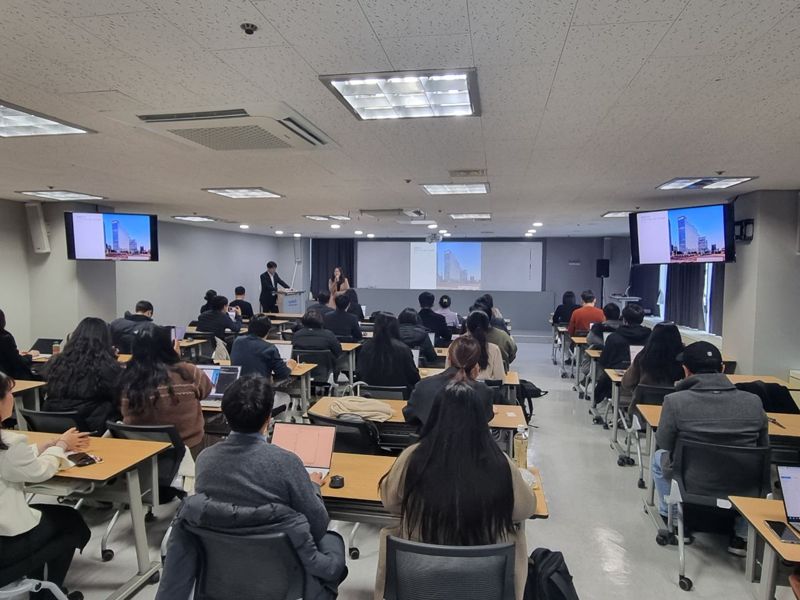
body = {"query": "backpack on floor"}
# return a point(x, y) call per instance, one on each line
point(526, 392)
point(548, 577)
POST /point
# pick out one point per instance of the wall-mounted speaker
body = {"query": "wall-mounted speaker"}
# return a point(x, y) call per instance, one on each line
point(602, 267)
point(37, 227)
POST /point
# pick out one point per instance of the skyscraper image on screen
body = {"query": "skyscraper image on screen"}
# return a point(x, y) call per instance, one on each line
point(697, 234)
point(127, 237)
point(458, 266)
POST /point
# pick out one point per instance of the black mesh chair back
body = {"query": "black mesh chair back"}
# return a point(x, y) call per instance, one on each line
point(169, 460)
point(45, 345)
point(354, 434)
point(496, 385)
point(324, 359)
point(707, 472)
point(52, 422)
point(416, 571)
point(651, 394)
point(209, 341)
point(247, 567)
point(382, 392)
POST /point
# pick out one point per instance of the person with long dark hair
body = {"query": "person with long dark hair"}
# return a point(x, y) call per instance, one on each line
point(210, 295)
point(337, 285)
point(354, 308)
point(563, 312)
point(158, 388)
point(491, 359)
point(456, 487)
point(385, 359)
point(11, 361)
point(33, 537)
point(85, 376)
point(414, 335)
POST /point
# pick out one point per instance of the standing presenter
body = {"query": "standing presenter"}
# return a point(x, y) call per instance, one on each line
point(270, 280)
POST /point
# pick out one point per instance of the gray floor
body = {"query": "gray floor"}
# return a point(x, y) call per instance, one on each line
point(596, 518)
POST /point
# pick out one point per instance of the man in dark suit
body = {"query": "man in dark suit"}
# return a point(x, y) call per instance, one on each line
point(269, 288)
point(434, 322)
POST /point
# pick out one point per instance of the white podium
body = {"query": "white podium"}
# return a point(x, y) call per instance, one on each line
point(293, 302)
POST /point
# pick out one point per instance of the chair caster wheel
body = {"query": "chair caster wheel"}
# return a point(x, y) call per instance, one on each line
point(563, 376)
point(107, 554)
point(621, 461)
point(149, 517)
point(641, 484)
point(154, 578)
point(597, 420)
point(629, 461)
point(354, 553)
point(605, 426)
point(685, 583)
point(581, 395)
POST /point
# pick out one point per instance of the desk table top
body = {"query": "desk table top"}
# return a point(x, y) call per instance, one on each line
point(510, 378)
point(24, 385)
point(288, 316)
point(346, 346)
point(780, 425)
point(593, 353)
point(758, 511)
point(580, 340)
point(616, 377)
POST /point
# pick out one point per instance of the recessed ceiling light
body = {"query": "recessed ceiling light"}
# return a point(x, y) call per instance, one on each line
point(297, 235)
point(432, 226)
point(193, 218)
point(335, 226)
point(16, 121)
point(358, 232)
point(64, 195)
point(703, 183)
point(252, 192)
point(538, 224)
point(370, 235)
point(407, 94)
point(471, 216)
point(244, 226)
point(339, 217)
point(316, 217)
point(617, 214)
point(443, 231)
point(531, 231)
point(447, 234)
point(528, 234)
point(278, 232)
point(446, 189)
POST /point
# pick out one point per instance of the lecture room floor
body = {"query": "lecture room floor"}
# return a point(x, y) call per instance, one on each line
point(596, 518)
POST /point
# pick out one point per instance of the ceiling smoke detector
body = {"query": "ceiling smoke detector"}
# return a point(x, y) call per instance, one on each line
point(249, 28)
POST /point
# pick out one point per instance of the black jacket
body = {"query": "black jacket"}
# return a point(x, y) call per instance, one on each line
point(563, 313)
point(12, 363)
point(437, 324)
point(324, 309)
point(416, 336)
point(399, 370)
point(316, 339)
point(125, 329)
point(617, 351)
point(244, 306)
point(268, 292)
point(356, 311)
point(420, 403)
point(343, 325)
point(216, 322)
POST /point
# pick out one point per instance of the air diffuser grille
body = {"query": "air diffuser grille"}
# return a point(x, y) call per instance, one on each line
point(246, 137)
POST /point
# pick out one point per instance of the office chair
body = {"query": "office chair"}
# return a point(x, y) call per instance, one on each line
point(21, 587)
point(286, 335)
point(247, 566)
point(52, 422)
point(156, 480)
point(417, 571)
point(322, 377)
point(706, 475)
point(381, 392)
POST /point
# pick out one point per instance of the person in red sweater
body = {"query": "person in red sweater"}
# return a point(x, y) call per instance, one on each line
point(582, 318)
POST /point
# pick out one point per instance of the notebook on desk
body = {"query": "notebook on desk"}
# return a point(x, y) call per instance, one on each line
point(312, 443)
point(221, 378)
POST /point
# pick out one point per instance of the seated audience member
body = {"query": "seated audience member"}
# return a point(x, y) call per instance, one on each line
point(563, 312)
point(160, 389)
point(354, 308)
point(322, 303)
point(217, 320)
point(487, 503)
point(245, 308)
point(414, 335)
point(491, 359)
point(434, 322)
point(583, 317)
point(463, 357)
point(84, 376)
point(496, 317)
point(498, 337)
point(124, 329)
point(616, 352)
point(12, 363)
point(36, 536)
point(450, 316)
point(708, 408)
point(610, 323)
point(385, 359)
point(210, 295)
point(313, 336)
point(257, 356)
point(247, 486)
point(342, 323)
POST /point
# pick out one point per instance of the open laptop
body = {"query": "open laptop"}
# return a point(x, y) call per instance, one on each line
point(285, 350)
point(221, 379)
point(312, 443)
point(177, 332)
point(45, 345)
point(790, 486)
point(415, 354)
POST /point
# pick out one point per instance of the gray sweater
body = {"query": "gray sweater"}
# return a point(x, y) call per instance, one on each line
point(245, 470)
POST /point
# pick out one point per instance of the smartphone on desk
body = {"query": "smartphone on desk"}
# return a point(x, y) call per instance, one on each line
point(82, 459)
point(783, 531)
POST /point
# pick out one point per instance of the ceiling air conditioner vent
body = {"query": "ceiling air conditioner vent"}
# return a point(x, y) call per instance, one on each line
point(244, 137)
point(468, 173)
point(303, 131)
point(389, 213)
point(194, 116)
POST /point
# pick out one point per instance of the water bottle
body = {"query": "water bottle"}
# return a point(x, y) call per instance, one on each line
point(521, 447)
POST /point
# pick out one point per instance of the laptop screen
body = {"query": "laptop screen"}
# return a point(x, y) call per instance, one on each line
point(221, 378)
point(790, 485)
point(285, 350)
point(312, 443)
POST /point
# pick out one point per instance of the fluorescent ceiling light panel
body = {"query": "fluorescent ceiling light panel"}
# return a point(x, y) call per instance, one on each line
point(278, 232)
point(471, 216)
point(448, 189)
point(244, 226)
point(16, 121)
point(538, 224)
point(370, 235)
point(193, 218)
point(703, 183)
point(63, 195)
point(253, 192)
point(316, 217)
point(358, 232)
point(432, 226)
point(529, 234)
point(339, 217)
point(407, 94)
point(297, 235)
point(335, 226)
point(447, 234)
point(616, 214)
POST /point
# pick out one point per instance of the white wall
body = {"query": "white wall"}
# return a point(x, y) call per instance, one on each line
point(15, 244)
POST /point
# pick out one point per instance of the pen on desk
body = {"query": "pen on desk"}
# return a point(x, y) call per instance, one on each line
point(775, 422)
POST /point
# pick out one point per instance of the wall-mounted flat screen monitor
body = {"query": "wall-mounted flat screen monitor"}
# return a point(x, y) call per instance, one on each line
point(111, 236)
point(697, 234)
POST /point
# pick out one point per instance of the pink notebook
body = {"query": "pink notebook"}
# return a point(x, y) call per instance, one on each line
point(312, 443)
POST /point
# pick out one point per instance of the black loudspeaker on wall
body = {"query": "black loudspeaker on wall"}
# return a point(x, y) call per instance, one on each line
point(602, 267)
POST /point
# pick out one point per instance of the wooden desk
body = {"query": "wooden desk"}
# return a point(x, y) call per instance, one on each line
point(192, 345)
point(287, 316)
point(441, 352)
point(757, 511)
point(26, 390)
point(348, 348)
point(302, 371)
point(510, 380)
point(119, 457)
point(124, 358)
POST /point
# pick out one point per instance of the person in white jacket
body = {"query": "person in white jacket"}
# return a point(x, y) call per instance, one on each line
point(32, 537)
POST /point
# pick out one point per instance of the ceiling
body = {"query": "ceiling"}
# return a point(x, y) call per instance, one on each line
point(587, 105)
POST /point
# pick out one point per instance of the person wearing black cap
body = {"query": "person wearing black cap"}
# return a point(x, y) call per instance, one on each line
point(708, 408)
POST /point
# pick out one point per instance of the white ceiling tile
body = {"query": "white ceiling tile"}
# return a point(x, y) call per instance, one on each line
point(334, 36)
point(90, 8)
point(408, 18)
point(46, 73)
point(627, 11)
point(107, 100)
point(514, 88)
point(429, 52)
